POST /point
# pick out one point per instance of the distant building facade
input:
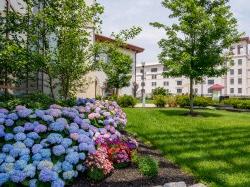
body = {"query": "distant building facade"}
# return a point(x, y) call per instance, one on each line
point(236, 82)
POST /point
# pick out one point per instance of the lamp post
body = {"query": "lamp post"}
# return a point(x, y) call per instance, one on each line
point(143, 84)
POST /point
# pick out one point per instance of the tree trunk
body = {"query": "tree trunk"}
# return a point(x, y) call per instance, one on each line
point(191, 96)
point(117, 92)
point(51, 86)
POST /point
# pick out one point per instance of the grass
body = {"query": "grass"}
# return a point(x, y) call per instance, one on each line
point(214, 146)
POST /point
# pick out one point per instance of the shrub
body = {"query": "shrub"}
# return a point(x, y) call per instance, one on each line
point(148, 166)
point(171, 101)
point(127, 101)
point(96, 174)
point(184, 101)
point(237, 103)
point(159, 91)
point(160, 101)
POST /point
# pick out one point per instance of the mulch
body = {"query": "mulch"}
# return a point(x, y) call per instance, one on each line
point(130, 177)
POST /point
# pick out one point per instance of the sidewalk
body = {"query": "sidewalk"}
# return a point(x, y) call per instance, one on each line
point(139, 105)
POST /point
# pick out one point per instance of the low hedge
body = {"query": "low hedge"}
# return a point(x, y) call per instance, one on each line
point(238, 103)
point(184, 101)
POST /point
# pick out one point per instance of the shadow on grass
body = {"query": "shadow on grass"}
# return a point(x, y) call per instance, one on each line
point(184, 112)
point(218, 156)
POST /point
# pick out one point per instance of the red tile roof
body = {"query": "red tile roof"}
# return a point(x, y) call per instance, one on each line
point(247, 39)
point(134, 48)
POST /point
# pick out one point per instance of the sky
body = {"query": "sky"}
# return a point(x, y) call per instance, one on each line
point(123, 14)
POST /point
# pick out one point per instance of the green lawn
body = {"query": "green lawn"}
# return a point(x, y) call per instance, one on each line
point(215, 147)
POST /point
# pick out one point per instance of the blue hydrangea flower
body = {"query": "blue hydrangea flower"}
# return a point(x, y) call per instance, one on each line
point(29, 126)
point(13, 116)
point(2, 157)
point(58, 167)
point(80, 168)
point(4, 177)
point(47, 175)
point(19, 145)
point(14, 152)
point(82, 156)
point(72, 158)
point(83, 147)
point(48, 118)
point(17, 176)
point(57, 126)
point(73, 128)
point(6, 148)
point(67, 175)
point(37, 157)
point(33, 135)
point(2, 120)
point(28, 142)
point(20, 164)
point(9, 159)
point(83, 139)
point(66, 166)
point(2, 133)
point(39, 113)
point(36, 148)
point(25, 151)
point(45, 164)
point(54, 138)
point(7, 167)
point(66, 142)
point(8, 136)
point(20, 136)
point(58, 183)
point(30, 170)
point(9, 122)
point(24, 113)
point(25, 157)
point(45, 153)
point(62, 120)
point(58, 150)
point(18, 129)
point(44, 143)
point(32, 183)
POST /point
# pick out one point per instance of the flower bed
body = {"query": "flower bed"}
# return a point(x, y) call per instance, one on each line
point(52, 146)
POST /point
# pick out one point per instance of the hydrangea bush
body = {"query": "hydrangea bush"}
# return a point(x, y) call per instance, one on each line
point(51, 146)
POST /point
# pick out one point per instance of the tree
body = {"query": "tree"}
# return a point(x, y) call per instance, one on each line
point(195, 45)
point(119, 66)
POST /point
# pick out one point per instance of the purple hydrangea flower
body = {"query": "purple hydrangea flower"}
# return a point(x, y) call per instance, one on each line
point(17, 176)
point(47, 175)
point(24, 113)
point(58, 150)
point(55, 112)
point(29, 126)
point(40, 129)
point(83, 139)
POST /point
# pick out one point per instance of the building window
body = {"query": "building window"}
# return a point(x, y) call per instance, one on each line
point(153, 69)
point(240, 62)
point(210, 81)
point(239, 90)
point(196, 90)
point(231, 72)
point(166, 83)
point(239, 80)
point(179, 90)
point(154, 76)
point(232, 62)
point(141, 71)
point(153, 83)
point(231, 90)
point(232, 81)
point(239, 49)
point(164, 69)
point(210, 91)
point(239, 71)
point(179, 83)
